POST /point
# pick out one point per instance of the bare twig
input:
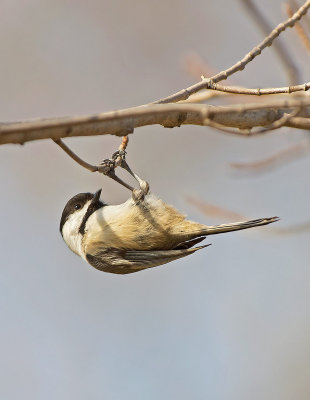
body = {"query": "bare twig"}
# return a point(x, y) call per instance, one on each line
point(306, 20)
point(91, 168)
point(299, 29)
point(240, 65)
point(103, 168)
point(221, 90)
point(278, 46)
point(261, 92)
point(279, 123)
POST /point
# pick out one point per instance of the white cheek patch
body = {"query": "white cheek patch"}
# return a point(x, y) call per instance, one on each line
point(70, 230)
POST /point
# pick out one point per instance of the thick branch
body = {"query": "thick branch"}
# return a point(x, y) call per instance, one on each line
point(123, 122)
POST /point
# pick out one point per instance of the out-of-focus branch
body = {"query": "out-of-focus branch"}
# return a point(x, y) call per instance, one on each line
point(299, 122)
point(290, 154)
point(203, 96)
point(279, 47)
point(240, 65)
point(210, 210)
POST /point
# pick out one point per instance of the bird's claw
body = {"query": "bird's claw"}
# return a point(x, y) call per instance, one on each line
point(118, 159)
point(107, 166)
point(119, 153)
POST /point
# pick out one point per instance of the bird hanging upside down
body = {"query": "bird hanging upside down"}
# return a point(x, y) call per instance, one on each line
point(141, 233)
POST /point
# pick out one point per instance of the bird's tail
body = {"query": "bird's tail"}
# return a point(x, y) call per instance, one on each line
point(237, 226)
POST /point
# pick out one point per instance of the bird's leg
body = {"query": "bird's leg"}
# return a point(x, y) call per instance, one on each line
point(144, 186)
point(139, 194)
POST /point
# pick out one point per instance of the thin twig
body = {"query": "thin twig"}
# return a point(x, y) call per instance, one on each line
point(240, 65)
point(261, 92)
point(76, 158)
point(299, 29)
point(280, 122)
point(306, 20)
point(278, 46)
point(100, 168)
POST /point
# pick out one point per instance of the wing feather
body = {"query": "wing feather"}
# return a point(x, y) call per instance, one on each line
point(119, 261)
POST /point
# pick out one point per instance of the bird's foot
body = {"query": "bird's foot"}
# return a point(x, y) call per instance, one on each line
point(118, 159)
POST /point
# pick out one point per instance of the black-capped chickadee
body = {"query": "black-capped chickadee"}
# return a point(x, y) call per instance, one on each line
point(141, 233)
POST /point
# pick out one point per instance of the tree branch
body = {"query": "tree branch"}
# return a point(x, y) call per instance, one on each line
point(242, 118)
point(76, 158)
point(240, 65)
point(278, 46)
point(122, 122)
point(281, 157)
point(260, 92)
point(299, 29)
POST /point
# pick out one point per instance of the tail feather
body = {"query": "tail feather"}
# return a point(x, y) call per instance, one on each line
point(189, 243)
point(237, 226)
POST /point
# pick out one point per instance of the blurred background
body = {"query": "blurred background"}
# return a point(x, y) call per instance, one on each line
point(230, 322)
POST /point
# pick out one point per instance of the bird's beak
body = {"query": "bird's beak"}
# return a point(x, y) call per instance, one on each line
point(96, 196)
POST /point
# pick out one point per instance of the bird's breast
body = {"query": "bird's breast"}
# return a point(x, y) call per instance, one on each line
point(151, 224)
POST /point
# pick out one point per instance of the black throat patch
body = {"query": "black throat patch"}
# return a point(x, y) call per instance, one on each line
point(94, 206)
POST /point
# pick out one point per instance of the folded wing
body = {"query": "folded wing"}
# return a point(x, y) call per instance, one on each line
point(119, 261)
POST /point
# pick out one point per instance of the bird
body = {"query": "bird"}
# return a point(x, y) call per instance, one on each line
point(141, 233)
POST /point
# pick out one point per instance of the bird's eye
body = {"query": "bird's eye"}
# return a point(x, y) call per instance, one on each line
point(77, 206)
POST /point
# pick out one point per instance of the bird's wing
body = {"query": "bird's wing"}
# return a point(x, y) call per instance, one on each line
point(119, 261)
